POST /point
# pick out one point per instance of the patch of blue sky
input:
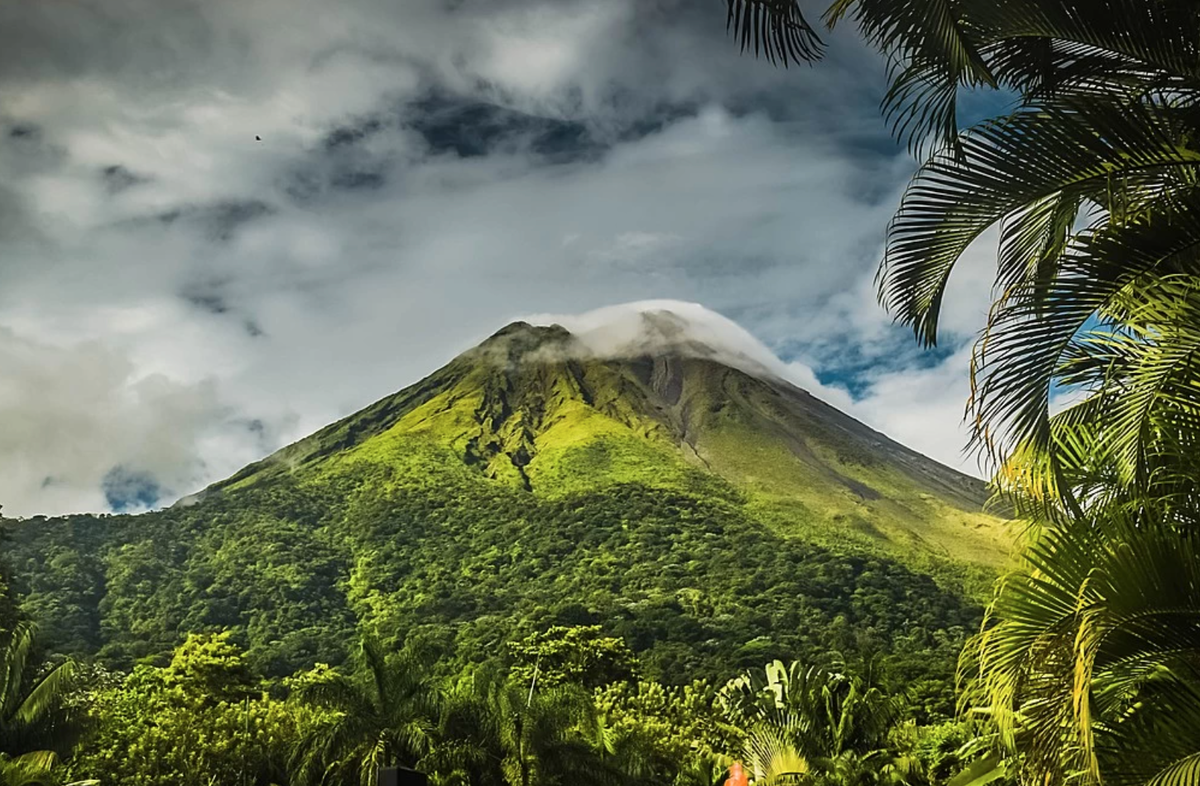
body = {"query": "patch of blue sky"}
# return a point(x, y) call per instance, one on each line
point(846, 363)
point(128, 490)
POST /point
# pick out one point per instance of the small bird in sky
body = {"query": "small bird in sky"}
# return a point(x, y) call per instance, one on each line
point(257, 138)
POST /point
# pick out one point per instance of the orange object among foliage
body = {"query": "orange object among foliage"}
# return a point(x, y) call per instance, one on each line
point(737, 776)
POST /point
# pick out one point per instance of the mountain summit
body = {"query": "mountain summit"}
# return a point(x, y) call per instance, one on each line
point(551, 412)
point(662, 481)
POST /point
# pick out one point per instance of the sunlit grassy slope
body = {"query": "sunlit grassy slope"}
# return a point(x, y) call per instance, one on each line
point(528, 409)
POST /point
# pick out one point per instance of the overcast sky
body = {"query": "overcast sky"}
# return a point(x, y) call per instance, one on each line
point(178, 298)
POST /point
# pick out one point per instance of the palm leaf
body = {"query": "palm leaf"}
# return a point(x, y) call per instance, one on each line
point(1008, 164)
point(30, 769)
point(1076, 661)
point(772, 758)
point(45, 696)
point(981, 772)
point(774, 29)
point(13, 658)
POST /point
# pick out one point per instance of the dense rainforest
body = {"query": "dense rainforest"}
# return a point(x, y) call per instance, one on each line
point(695, 588)
point(568, 704)
point(586, 545)
point(1084, 670)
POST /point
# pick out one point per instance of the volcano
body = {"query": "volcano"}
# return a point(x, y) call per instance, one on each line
point(674, 489)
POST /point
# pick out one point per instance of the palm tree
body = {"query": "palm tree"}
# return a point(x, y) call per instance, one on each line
point(1089, 667)
point(384, 716)
point(806, 723)
point(772, 756)
point(496, 733)
point(31, 707)
point(30, 769)
point(1092, 180)
point(1092, 668)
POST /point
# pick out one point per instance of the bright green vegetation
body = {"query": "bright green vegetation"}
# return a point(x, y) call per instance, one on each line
point(711, 519)
point(694, 586)
point(1089, 667)
point(565, 705)
point(207, 717)
point(622, 536)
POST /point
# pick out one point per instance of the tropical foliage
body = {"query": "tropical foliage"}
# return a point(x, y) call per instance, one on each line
point(382, 718)
point(1090, 668)
point(32, 721)
point(1086, 379)
point(513, 734)
point(1087, 376)
point(205, 718)
point(808, 723)
point(684, 581)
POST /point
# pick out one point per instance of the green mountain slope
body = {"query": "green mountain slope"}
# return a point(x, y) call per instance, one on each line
point(712, 517)
point(528, 409)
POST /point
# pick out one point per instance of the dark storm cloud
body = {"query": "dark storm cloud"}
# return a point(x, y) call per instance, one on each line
point(207, 296)
point(470, 128)
point(351, 134)
point(29, 149)
point(24, 131)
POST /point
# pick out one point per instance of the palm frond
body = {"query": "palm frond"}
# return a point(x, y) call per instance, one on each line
point(45, 696)
point(934, 50)
point(13, 658)
point(774, 29)
point(1074, 661)
point(1184, 772)
point(772, 758)
point(30, 769)
point(1005, 165)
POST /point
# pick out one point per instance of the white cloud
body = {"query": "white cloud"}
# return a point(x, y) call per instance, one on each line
point(75, 416)
point(761, 193)
point(661, 326)
point(923, 408)
point(536, 51)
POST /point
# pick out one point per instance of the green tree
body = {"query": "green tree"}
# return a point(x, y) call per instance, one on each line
point(1089, 664)
point(198, 721)
point(210, 665)
point(577, 655)
point(384, 715)
point(31, 701)
point(502, 733)
point(665, 734)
